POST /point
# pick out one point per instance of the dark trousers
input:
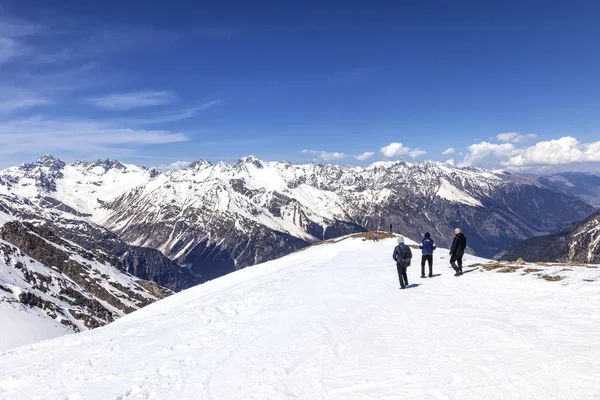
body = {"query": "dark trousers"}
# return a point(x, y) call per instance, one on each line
point(454, 260)
point(429, 259)
point(402, 276)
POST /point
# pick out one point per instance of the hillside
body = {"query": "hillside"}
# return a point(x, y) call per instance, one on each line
point(330, 323)
point(210, 219)
point(50, 286)
point(578, 242)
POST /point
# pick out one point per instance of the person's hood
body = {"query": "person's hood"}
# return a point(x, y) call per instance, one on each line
point(427, 235)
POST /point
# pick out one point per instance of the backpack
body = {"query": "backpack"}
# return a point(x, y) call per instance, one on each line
point(405, 255)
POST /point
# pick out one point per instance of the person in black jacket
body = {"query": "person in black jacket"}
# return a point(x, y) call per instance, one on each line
point(402, 255)
point(457, 251)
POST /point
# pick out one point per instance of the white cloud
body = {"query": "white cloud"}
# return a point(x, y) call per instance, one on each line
point(515, 137)
point(450, 161)
point(176, 166)
point(365, 156)
point(416, 153)
point(479, 151)
point(563, 151)
point(129, 101)
point(448, 151)
point(325, 155)
point(398, 149)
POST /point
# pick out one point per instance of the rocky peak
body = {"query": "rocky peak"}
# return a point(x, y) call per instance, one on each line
point(257, 162)
point(199, 164)
point(109, 164)
point(51, 162)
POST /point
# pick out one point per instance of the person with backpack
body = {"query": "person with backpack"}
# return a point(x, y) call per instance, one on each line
point(402, 255)
point(427, 247)
point(457, 251)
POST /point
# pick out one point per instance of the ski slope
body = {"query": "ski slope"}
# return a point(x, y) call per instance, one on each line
point(331, 323)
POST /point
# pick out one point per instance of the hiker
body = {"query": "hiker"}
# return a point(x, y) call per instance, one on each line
point(402, 256)
point(427, 247)
point(457, 251)
point(390, 228)
point(375, 236)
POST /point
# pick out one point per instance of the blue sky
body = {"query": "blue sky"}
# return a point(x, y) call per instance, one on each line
point(504, 84)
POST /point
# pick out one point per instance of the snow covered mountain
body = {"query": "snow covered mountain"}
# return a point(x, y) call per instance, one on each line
point(216, 218)
point(586, 186)
point(330, 323)
point(579, 242)
point(49, 285)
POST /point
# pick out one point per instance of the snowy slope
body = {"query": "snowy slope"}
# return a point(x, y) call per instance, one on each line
point(330, 323)
point(20, 325)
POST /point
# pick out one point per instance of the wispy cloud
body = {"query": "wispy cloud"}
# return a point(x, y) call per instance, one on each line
point(173, 116)
point(515, 137)
point(448, 151)
point(39, 134)
point(16, 28)
point(325, 155)
point(11, 43)
point(365, 156)
point(9, 49)
point(16, 100)
point(64, 63)
point(131, 100)
point(399, 150)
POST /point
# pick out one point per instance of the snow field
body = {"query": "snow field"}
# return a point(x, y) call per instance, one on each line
point(329, 322)
point(20, 325)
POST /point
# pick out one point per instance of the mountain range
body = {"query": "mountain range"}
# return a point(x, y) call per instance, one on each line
point(180, 228)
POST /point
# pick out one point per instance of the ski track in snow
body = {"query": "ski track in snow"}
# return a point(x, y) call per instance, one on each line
point(330, 323)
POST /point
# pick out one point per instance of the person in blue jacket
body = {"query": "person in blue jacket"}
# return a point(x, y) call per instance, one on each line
point(427, 247)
